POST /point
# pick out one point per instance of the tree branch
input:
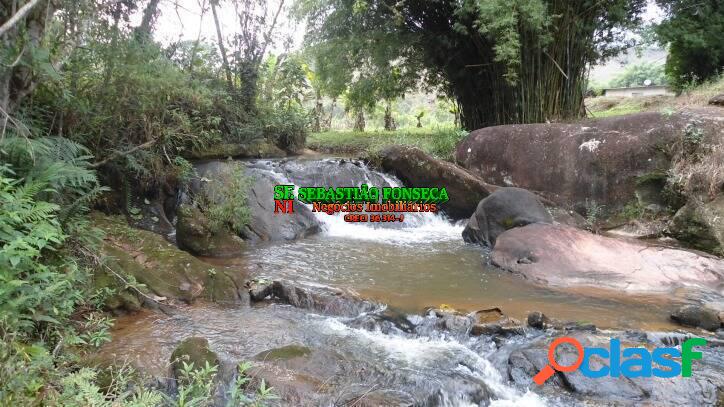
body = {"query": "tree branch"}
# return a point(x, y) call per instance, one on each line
point(24, 10)
point(118, 154)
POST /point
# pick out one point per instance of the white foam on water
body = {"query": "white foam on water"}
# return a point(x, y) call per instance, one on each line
point(416, 228)
point(424, 354)
point(427, 227)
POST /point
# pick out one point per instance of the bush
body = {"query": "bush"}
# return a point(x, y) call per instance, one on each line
point(286, 127)
point(45, 190)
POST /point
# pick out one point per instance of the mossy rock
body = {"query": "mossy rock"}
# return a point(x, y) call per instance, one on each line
point(194, 235)
point(123, 299)
point(701, 224)
point(165, 270)
point(192, 350)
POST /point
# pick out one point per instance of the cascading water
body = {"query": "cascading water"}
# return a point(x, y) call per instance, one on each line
point(409, 266)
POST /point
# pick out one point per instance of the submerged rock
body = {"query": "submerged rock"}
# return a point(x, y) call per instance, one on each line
point(492, 321)
point(697, 316)
point(566, 257)
point(415, 168)
point(319, 299)
point(504, 209)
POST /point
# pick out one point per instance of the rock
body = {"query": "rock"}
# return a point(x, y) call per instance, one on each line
point(639, 229)
point(260, 291)
point(574, 163)
point(321, 300)
point(537, 320)
point(563, 256)
point(701, 224)
point(258, 148)
point(169, 275)
point(492, 321)
point(504, 209)
point(526, 361)
point(717, 100)
point(415, 168)
point(192, 350)
point(472, 233)
point(194, 235)
point(697, 316)
point(264, 224)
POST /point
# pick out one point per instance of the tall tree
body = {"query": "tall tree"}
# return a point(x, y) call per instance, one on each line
point(693, 31)
point(222, 48)
point(503, 61)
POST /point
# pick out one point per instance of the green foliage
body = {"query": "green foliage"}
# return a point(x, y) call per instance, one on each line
point(594, 211)
point(635, 75)
point(224, 201)
point(45, 190)
point(529, 57)
point(440, 142)
point(693, 33)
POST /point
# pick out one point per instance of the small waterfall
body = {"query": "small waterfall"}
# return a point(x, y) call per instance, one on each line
point(417, 227)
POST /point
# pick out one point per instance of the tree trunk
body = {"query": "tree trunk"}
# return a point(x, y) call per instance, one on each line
point(359, 123)
point(17, 78)
point(222, 48)
point(143, 32)
point(328, 121)
point(390, 124)
point(317, 114)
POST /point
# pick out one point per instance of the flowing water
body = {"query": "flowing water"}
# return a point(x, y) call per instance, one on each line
point(333, 359)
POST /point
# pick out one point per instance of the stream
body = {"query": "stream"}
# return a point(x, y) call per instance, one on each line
point(314, 359)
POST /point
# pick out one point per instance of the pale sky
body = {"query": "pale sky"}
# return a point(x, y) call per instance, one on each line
point(181, 19)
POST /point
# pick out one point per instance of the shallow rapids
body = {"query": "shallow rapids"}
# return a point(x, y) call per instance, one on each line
point(323, 360)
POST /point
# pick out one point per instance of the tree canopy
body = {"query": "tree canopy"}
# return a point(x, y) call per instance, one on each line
point(503, 61)
point(693, 31)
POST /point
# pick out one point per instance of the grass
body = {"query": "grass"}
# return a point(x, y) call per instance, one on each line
point(439, 142)
point(616, 106)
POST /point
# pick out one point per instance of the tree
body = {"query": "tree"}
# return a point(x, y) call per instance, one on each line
point(503, 61)
point(636, 75)
point(693, 32)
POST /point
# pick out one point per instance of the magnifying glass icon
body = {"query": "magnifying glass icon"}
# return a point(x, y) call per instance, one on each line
point(550, 369)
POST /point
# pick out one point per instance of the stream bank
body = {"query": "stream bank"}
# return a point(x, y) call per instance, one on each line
point(415, 345)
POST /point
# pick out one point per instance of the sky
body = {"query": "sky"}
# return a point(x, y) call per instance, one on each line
point(182, 20)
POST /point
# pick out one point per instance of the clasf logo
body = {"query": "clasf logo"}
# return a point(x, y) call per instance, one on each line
point(632, 362)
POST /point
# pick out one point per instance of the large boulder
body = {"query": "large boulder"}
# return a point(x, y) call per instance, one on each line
point(601, 161)
point(415, 168)
point(166, 274)
point(263, 224)
point(504, 209)
point(563, 256)
point(701, 224)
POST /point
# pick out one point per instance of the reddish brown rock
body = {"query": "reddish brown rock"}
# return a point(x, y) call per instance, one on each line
point(415, 168)
point(566, 257)
point(599, 160)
